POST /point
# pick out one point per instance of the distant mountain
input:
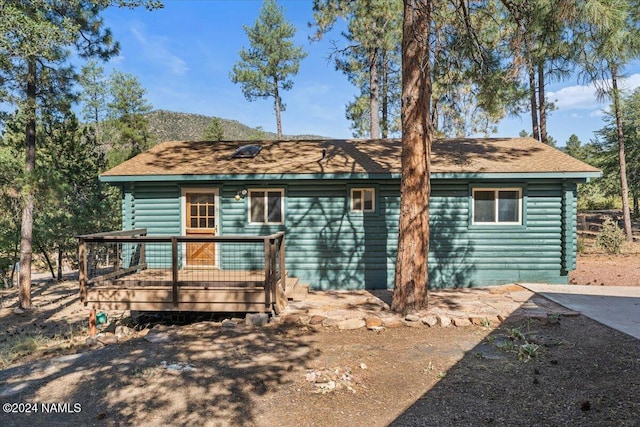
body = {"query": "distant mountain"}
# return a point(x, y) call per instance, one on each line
point(172, 126)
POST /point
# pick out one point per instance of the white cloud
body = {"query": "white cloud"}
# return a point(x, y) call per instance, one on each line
point(154, 49)
point(583, 97)
point(117, 60)
point(597, 113)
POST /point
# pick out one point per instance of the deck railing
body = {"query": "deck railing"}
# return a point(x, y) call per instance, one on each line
point(207, 266)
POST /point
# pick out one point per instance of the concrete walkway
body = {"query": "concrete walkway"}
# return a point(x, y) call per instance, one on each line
point(617, 307)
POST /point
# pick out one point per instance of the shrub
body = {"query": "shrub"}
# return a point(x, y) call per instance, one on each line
point(581, 245)
point(611, 237)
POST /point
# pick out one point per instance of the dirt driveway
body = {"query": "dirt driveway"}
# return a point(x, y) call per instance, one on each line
point(575, 372)
point(562, 369)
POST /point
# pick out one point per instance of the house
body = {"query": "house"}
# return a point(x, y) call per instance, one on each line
point(502, 210)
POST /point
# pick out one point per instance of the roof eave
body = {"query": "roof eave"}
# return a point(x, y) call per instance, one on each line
point(116, 179)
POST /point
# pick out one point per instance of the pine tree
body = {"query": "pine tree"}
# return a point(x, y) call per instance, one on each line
point(370, 59)
point(265, 69)
point(126, 111)
point(481, 56)
point(94, 97)
point(36, 39)
point(574, 147)
point(214, 130)
point(611, 36)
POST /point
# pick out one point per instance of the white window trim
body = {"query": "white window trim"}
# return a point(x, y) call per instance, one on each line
point(496, 191)
point(373, 199)
point(266, 204)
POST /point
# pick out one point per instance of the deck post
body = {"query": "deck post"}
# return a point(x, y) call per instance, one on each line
point(283, 270)
point(267, 273)
point(92, 322)
point(274, 270)
point(116, 256)
point(143, 255)
point(174, 269)
point(82, 269)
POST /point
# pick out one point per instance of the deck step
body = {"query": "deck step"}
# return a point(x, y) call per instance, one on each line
point(290, 284)
point(300, 292)
point(294, 290)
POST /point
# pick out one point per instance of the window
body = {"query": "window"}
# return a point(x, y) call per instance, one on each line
point(200, 210)
point(266, 206)
point(363, 200)
point(497, 206)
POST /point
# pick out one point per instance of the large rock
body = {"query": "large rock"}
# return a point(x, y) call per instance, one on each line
point(316, 320)
point(373, 322)
point(290, 319)
point(228, 323)
point(393, 322)
point(461, 322)
point(430, 320)
point(355, 323)
point(256, 319)
point(331, 322)
point(156, 336)
point(413, 323)
point(444, 321)
point(107, 339)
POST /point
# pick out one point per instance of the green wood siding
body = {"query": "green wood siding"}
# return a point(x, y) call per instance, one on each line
point(330, 247)
point(156, 207)
point(569, 224)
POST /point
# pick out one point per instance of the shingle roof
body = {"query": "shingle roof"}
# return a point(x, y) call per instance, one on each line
point(470, 155)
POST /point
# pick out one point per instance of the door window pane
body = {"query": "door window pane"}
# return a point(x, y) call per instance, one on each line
point(200, 212)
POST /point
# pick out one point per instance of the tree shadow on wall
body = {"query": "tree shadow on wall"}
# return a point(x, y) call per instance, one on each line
point(450, 250)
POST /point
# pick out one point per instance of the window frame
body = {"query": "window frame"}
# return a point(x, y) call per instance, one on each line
point(362, 209)
point(266, 192)
point(496, 190)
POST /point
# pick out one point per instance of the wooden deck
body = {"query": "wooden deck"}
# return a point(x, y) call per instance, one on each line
point(138, 287)
point(208, 278)
point(197, 290)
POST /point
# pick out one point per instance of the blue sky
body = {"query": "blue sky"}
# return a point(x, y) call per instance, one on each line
point(182, 56)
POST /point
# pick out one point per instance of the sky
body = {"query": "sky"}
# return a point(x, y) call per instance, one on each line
point(182, 55)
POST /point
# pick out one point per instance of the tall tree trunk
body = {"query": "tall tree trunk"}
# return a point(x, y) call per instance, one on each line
point(374, 95)
point(276, 106)
point(636, 208)
point(13, 260)
point(26, 233)
point(624, 186)
point(410, 291)
point(535, 130)
point(59, 263)
point(385, 96)
point(542, 104)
